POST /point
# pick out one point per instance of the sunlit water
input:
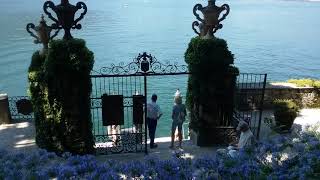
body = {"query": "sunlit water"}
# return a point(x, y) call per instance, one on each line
point(277, 37)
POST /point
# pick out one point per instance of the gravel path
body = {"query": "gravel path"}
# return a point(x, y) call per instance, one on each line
point(308, 117)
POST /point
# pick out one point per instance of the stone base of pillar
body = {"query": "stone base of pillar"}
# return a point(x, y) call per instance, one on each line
point(5, 116)
point(213, 136)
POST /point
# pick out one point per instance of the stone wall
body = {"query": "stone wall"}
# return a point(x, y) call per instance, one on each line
point(304, 97)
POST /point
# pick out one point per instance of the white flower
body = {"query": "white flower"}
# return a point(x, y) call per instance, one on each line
point(296, 140)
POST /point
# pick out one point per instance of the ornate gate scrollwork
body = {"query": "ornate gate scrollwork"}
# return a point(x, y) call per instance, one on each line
point(144, 63)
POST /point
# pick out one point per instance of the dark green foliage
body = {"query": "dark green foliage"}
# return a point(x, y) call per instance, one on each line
point(212, 82)
point(285, 111)
point(60, 88)
point(208, 54)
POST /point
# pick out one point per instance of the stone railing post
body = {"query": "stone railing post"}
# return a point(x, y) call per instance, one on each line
point(5, 116)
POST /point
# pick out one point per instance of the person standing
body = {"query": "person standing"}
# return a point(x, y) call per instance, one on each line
point(153, 115)
point(179, 113)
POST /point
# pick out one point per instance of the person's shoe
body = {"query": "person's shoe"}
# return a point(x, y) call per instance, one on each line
point(154, 146)
point(171, 147)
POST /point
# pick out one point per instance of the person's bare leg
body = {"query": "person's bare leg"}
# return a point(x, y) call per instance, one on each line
point(172, 141)
point(180, 139)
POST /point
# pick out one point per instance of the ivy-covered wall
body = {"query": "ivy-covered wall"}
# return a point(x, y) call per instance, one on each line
point(60, 88)
point(211, 85)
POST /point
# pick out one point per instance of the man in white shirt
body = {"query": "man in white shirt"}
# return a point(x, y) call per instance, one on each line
point(247, 139)
point(153, 114)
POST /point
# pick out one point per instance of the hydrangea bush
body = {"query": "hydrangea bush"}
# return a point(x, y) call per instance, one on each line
point(282, 157)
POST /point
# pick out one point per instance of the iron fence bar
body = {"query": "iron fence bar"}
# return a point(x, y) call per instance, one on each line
point(140, 84)
point(109, 86)
point(141, 127)
point(246, 94)
point(96, 93)
point(261, 104)
point(145, 115)
point(135, 84)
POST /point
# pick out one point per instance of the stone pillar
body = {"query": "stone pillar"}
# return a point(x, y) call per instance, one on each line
point(5, 116)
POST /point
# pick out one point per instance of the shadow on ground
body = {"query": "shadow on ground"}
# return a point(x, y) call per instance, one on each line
point(17, 137)
point(163, 151)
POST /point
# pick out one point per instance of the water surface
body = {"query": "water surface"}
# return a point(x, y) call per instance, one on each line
point(277, 37)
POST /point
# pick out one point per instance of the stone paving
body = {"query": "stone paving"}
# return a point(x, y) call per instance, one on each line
point(19, 137)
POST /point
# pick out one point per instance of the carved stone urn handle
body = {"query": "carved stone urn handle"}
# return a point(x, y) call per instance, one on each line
point(198, 7)
point(224, 7)
point(29, 27)
point(42, 33)
point(46, 6)
point(65, 13)
point(80, 5)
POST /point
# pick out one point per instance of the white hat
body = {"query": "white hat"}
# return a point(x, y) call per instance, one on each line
point(177, 97)
point(178, 93)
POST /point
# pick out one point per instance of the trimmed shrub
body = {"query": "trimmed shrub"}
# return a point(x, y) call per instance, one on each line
point(60, 88)
point(285, 111)
point(211, 85)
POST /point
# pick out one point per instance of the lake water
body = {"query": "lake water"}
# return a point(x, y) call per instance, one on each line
point(277, 37)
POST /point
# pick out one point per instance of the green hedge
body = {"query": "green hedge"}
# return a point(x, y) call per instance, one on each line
point(212, 79)
point(60, 88)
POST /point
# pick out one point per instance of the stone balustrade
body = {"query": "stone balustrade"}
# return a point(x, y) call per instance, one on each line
point(305, 97)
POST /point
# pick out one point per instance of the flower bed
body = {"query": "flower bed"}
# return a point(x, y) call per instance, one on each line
point(283, 157)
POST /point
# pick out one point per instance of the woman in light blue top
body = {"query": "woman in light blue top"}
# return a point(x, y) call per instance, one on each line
point(178, 117)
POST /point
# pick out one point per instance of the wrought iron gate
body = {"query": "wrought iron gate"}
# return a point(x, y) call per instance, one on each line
point(125, 130)
point(118, 102)
point(249, 99)
point(116, 137)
